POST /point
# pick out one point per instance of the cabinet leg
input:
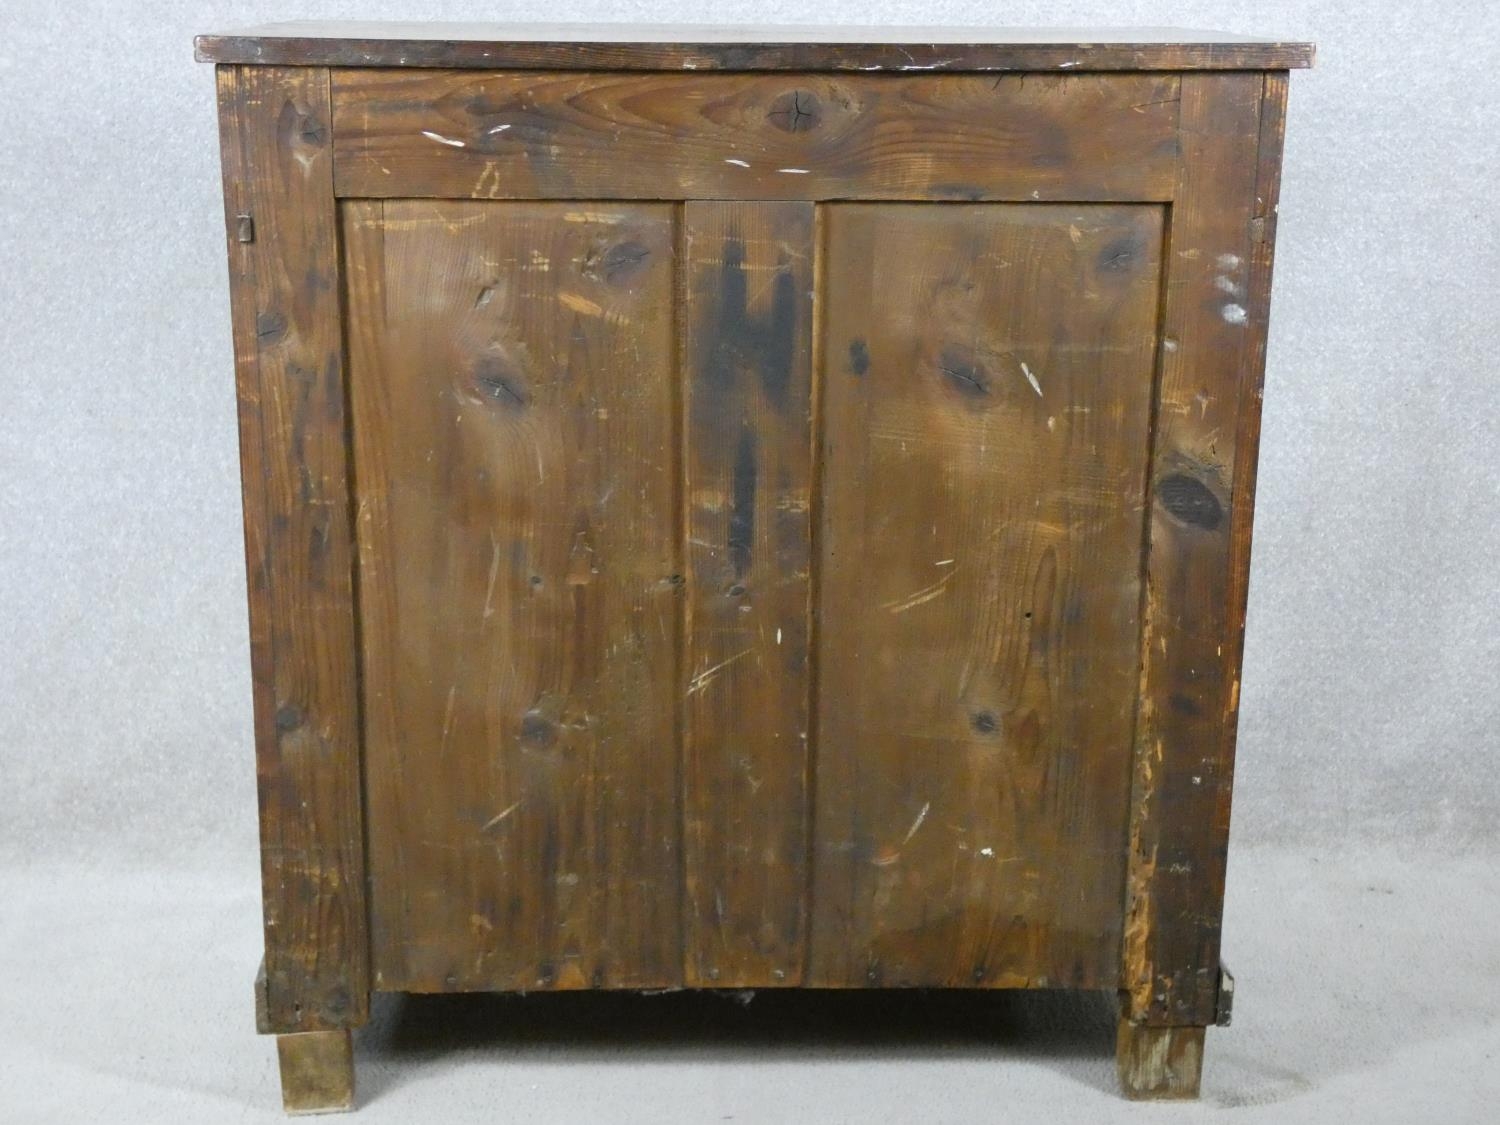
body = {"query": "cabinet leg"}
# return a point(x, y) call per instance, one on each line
point(317, 1071)
point(1159, 1063)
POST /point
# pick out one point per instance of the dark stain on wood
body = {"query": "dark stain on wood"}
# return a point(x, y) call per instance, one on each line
point(538, 730)
point(270, 327)
point(779, 336)
point(763, 344)
point(618, 262)
point(498, 382)
point(964, 374)
point(742, 504)
point(968, 193)
point(1190, 500)
point(297, 129)
point(1185, 704)
point(1121, 255)
point(859, 356)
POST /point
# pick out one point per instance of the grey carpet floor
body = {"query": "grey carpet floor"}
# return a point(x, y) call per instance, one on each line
point(1368, 991)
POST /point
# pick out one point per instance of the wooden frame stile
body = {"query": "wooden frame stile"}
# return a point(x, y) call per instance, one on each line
point(276, 135)
point(1196, 569)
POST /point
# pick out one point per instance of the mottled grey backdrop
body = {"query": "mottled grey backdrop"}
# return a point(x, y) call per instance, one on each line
point(1372, 681)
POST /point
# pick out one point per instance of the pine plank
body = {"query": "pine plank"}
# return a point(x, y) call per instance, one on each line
point(987, 406)
point(562, 135)
point(747, 348)
point(512, 378)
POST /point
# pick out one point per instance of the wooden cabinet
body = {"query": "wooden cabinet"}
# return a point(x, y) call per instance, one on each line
point(731, 511)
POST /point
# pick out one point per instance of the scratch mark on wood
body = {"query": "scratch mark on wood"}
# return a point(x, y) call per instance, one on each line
point(498, 817)
point(703, 678)
point(890, 856)
point(925, 594)
point(489, 593)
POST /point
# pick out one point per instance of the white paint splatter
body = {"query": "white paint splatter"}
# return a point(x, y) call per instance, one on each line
point(1229, 261)
point(442, 140)
point(493, 129)
point(778, 636)
point(1228, 285)
point(737, 163)
point(990, 852)
point(1030, 378)
point(1235, 314)
point(794, 171)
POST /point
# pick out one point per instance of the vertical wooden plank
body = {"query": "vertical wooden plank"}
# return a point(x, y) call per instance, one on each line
point(1208, 419)
point(513, 386)
point(987, 392)
point(284, 278)
point(747, 348)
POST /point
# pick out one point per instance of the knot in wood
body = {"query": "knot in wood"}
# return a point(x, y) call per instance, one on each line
point(797, 111)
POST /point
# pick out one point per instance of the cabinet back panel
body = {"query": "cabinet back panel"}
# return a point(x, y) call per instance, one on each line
point(662, 687)
point(511, 374)
point(987, 405)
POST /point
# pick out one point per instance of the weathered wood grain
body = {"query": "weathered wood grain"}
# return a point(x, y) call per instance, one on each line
point(512, 378)
point(691, 48)
point(724, 136)
point(1159, 1063)
point(284, 287)
point(784, 527)
point(747, 352)
point(987, 385)
point(317, 1071)
point(1199, 539)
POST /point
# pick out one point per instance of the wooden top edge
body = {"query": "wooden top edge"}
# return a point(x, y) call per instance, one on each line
point(705, 47)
